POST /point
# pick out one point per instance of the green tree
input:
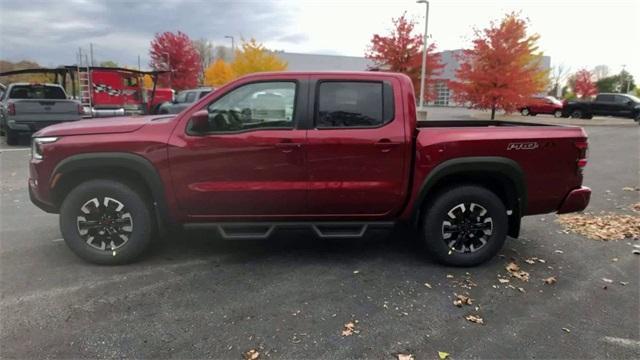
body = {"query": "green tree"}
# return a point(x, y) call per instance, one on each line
point(109, 63)
point(616, 83)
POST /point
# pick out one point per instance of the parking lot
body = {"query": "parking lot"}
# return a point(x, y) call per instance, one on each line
point(197, 295)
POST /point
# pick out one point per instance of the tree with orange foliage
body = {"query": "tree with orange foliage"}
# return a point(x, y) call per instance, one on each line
point(218, 73)
point(502, 70)
point(175, 52)
point(583, 84)
point(401, 51)
point(253, 57)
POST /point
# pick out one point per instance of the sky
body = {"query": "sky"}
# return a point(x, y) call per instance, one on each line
point(575, 33)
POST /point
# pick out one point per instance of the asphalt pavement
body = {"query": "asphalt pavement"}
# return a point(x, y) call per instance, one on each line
point(198, 296)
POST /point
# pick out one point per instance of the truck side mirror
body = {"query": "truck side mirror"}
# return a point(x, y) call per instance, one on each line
point(199, 121)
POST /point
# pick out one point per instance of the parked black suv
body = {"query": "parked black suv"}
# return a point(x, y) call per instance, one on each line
point(619, 105)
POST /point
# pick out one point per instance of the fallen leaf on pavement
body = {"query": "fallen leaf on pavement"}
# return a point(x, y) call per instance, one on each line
point(636, 251)
point(624, 283)
point(559, 252)
point(608, 226)
point(449, 276)
point(405, 357)
point(566, 330)
point(607, 280)
point(636, 207)
point(515, 271)
point(550, 280)
point(356, 271)
point(443, 355)
point(462, 300)
point(252, 354)
point(530, 261)
point(628, 188)
point(349, 329)
point(476, 319)
point(427, 285)
point(503, 281)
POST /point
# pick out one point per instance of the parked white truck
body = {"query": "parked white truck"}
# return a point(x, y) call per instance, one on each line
point(27, 108)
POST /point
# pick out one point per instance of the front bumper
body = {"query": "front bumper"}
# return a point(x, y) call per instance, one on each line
point(33, 196)
point(577, 200)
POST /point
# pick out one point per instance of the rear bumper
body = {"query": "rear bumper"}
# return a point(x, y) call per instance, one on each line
point(33, 125)
point(577, 200)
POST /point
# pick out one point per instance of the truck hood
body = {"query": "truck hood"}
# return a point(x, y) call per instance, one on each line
point(114, 125)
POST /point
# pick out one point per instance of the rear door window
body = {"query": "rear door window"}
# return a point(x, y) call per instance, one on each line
point(353, 104)
point(203, 93)
point(605, 98)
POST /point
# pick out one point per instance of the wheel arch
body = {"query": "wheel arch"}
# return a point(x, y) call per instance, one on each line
point(127, 167)
point(501, 175)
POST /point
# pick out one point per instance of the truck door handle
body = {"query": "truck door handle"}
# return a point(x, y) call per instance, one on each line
point(287, 145)
point(385, 145)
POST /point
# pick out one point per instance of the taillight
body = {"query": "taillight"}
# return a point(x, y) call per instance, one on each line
point(583, 148)
point(11, 109)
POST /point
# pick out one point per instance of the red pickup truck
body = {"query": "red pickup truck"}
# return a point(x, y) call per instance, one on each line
point(338, 153)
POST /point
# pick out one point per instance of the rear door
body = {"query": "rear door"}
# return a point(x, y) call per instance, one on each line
point(603, 105)
point(250, 162)
point(356, 147)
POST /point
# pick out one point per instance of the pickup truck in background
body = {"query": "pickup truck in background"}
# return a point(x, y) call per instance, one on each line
point(619, 105)
point(183, 100)
point(337, 153)
point(26, 107)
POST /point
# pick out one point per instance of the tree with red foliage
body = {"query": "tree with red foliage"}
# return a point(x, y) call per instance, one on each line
point(584, 86)
point(175, 52)
point(502, 70)
point(401, 51)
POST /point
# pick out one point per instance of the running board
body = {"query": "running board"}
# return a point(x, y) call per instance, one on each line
point(263, 230)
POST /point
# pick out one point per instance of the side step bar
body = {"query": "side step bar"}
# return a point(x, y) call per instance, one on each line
point(263, 230)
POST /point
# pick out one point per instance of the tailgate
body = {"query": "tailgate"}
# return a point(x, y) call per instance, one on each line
point(45, 110)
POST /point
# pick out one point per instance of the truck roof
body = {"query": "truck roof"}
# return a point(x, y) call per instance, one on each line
point(340, 73)
point(29, 83)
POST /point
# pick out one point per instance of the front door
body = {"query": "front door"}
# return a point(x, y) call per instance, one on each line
point(357, 153)
point(250, 161)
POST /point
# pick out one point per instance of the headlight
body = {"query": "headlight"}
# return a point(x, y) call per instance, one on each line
point(36, 146)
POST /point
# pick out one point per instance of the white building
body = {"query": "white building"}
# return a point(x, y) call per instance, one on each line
point(315, 62)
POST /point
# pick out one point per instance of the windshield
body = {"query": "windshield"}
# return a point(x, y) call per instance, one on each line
point(635, 99)
point(37, 92)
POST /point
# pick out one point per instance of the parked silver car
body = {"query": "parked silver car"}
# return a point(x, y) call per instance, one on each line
point(183, 100)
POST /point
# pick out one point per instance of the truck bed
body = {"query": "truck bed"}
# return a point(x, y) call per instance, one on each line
point(473, 123)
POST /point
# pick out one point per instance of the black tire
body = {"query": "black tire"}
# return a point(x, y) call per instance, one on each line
point(588, 116)
point(135, 204)
point(449, 200)
point(12, 137)
point(577, 114)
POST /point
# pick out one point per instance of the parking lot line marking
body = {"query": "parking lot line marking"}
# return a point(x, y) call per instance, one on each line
point(20, 149)
point(628, 343)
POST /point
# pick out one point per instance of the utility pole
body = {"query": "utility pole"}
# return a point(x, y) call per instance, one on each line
point(138, 62)
point(91, 53)
point(424, 52)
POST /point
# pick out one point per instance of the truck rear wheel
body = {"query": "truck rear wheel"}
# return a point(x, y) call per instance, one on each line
point(576, 114)
point(106, 222)
point(465, 225)
point(12, 137)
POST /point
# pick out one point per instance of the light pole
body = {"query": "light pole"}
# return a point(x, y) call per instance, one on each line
point(424, 52)
point(233, 43)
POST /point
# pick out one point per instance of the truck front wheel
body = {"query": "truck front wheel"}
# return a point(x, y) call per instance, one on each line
point(106, 222)
point(465, 225)
point(576, 114)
